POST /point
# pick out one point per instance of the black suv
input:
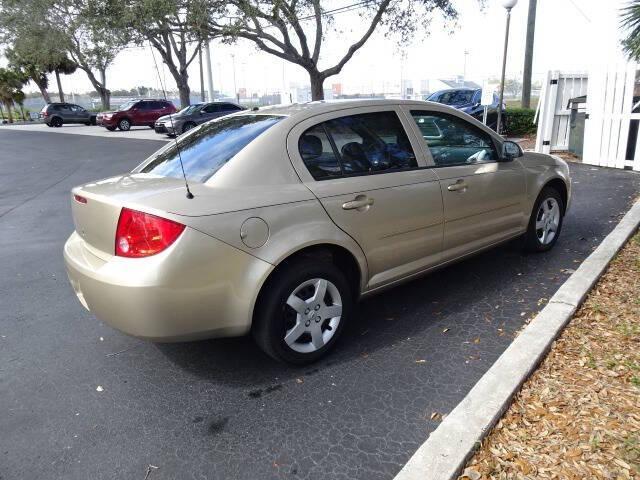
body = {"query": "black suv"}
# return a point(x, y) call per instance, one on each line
point(59, 113)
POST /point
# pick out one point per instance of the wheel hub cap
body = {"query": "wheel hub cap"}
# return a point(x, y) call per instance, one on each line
point(317, 306)
point(547, 221)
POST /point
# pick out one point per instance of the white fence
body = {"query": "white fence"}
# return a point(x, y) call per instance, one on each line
point(611, 129)
point(553, 115)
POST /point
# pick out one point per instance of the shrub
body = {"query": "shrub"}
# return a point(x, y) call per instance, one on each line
point(520, 121)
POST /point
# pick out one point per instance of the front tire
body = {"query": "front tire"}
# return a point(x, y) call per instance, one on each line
point(302, 311)
point(545, 222)
point(124, 125)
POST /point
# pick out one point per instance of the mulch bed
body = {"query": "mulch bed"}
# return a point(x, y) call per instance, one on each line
point(578, 416)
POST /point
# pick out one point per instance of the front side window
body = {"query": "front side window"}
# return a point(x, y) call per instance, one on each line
point(362, 144)
point(210, 108)
point(209, 147)
point(454, 141)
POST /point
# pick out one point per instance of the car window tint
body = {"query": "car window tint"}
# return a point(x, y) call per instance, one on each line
point(205, 149)
point(454, 141)
point(227, 107)
point(371, 142)
point(210, 109)
point(317, 153)
point(456, 97)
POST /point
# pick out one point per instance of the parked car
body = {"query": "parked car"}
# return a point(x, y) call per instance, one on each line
point(135, 112)
point(298, 211)
point(58, 113)
point(468, 100)
point(194, 115)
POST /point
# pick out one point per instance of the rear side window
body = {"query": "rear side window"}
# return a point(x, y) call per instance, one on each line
point(207, 148)
point(318, 154)
point(360, 145)
point(227, 107)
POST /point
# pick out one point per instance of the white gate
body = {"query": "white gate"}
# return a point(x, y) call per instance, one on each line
point(611, 128)
point(553, 116)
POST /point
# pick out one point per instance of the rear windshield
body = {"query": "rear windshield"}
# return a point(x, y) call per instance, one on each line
point(207, 148)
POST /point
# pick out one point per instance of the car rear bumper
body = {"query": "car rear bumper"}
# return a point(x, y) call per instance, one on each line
point(197, 288)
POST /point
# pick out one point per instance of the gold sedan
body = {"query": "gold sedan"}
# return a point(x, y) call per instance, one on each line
point(277, 221)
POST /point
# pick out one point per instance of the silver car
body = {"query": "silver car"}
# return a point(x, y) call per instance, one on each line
point(296, 212)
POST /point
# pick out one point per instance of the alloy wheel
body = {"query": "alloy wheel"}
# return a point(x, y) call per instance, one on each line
point(312, 313)
point(547, 220)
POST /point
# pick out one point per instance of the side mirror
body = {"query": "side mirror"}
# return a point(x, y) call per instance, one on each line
point(511, 150)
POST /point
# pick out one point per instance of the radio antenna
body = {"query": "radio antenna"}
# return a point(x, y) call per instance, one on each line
point(175, 134)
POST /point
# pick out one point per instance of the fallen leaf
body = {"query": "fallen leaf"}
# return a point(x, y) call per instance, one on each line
point(99, 389)
point(471, 474)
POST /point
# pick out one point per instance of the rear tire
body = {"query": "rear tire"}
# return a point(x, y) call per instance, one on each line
point(545, 222)
point(56, 122)
point(124, 124)
point(303, 334)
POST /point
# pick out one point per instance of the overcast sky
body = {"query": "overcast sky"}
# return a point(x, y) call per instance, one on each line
point(570, 35)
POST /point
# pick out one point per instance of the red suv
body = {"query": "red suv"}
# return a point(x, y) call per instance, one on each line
point(135, 112)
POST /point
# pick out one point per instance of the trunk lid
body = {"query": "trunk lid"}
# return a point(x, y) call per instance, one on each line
point(97, 219)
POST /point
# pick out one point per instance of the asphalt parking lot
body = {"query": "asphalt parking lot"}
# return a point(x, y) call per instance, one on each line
point(136, 133)
point(222, 409)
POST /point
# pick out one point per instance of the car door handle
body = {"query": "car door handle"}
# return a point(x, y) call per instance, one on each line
point(459, 186)
point(361, 202)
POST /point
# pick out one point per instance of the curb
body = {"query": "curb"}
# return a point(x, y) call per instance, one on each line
point(444, 454)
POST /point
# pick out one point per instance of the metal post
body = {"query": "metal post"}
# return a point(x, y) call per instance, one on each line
point(207, 59)
point(504, 67)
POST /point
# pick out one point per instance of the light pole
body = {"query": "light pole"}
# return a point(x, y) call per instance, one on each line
point(235, 88)
point(508, 5)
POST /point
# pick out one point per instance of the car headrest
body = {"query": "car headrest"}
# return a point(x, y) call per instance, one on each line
point(310, 146)
point(353, 150)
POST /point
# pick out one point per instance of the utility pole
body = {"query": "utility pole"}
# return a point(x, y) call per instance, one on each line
point(528, 55)
point(202, 94)
point(207, 59)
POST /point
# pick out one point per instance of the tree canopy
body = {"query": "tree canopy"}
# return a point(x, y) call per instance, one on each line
point(294, 30)
point(630, 21)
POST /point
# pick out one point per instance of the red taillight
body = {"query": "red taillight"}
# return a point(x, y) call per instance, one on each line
point(141, 235)
point(79, 199)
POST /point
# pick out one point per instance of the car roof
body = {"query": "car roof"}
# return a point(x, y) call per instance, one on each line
point(458, 89)
point(326, 106)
